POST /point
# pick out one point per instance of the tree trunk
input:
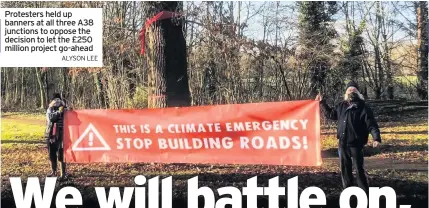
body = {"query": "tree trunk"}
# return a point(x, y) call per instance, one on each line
point(157, 69)
point(377, 92)
point(16, 85)
point(422, 38)
point(41, 88)
point(100, 91)
point(3, 83)
point(47, 86)
point(21, 101)
point(389, 72)
point(377, 50)
point(166, 57)
point(386, 57)
point(210, 83)
point(65, 89)
point(7, 92)
point(364, 88)
point(261, 79)
point(379, 72)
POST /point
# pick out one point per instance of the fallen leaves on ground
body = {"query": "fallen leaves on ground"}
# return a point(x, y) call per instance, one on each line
point(24, 155)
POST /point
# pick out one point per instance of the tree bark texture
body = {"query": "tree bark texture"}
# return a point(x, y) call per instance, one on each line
point(166, 58)
point(422, 38)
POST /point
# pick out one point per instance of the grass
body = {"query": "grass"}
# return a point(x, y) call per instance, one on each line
point(397, 163)
point(25, 116)
point(15, 131)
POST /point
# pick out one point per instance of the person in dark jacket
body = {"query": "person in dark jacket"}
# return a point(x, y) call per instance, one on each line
point(355, 122)
point(54, 134)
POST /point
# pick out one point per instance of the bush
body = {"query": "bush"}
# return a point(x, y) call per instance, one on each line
point(139, 99)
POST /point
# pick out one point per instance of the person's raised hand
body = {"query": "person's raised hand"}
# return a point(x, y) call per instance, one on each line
point(318, 97)
point(52, 104)
point(375, 144)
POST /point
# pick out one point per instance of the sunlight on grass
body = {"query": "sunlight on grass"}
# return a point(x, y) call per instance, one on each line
point(421, 128)
point(328, 142)
point(18, 131)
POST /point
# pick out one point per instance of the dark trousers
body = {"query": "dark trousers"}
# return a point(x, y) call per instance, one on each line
point(348, 157)
point(56, 153)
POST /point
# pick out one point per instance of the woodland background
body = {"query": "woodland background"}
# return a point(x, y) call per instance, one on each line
point(237, 52)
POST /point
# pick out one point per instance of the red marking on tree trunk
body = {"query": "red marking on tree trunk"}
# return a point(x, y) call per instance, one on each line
point(160, 16)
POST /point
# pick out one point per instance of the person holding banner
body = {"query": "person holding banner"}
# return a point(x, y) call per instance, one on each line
point(54, 134)
point(355, 122)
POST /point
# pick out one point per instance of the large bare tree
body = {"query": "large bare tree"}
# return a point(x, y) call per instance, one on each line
point(166, 58)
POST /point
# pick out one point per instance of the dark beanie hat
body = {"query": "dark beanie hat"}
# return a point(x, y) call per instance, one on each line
point(56, 95)
point(352, 84)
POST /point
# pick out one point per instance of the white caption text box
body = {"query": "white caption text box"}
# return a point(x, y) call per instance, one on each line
point(67, 37)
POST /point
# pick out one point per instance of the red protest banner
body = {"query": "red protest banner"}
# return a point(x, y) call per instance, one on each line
point(278, 133)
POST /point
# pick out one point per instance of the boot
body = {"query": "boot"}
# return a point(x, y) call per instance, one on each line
point(52, 174)
point(63, 171)
point(53, 169)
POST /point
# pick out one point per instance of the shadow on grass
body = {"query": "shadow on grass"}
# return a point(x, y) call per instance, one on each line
point(7, 112)
point(4, 116)
point(370, 151)
point(406, 132)
point(329, 153)
point(383, 149)
point(22, 142)
point(408, 192)
point(394, 132)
